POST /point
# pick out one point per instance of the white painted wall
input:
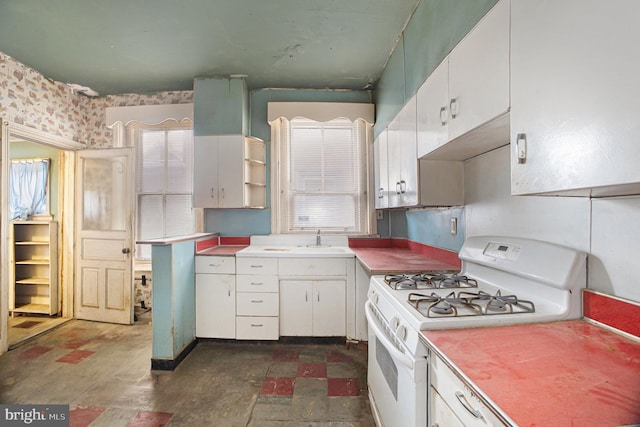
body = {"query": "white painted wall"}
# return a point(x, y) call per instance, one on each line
point(608, 229)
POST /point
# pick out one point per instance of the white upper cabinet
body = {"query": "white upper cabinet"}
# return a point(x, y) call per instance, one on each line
point(402, 158)
point(575, 121)
point(229, 172)
point(479, 73)
point(468, 90)
point(381, 171)
point(433, 110)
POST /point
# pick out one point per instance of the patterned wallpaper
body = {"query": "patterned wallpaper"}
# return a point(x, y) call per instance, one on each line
point(29, 98)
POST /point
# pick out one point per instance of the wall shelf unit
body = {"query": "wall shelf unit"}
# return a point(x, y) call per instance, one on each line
point(34, 267)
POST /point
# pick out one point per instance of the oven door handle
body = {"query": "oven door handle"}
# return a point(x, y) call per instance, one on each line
point(397, 354)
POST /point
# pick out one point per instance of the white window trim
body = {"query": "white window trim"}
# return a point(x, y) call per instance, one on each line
point(322, 112)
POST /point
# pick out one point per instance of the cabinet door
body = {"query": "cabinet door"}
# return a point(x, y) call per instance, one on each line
point(381, 172)
point(215, 306)
point(479, 71)
point(205, 166)
point(296, 308)
point(433, 110)
point(329, 308)
point(439, 412)
point(408, 155)
point(231, 171)
point(574, 92)
point(394, 165)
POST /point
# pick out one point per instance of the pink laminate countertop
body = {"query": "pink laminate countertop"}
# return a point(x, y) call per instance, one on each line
point(224, 250)
point(397, 260)
point(570, 373)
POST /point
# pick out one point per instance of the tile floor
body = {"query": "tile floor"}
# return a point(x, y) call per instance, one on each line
point(103, 372)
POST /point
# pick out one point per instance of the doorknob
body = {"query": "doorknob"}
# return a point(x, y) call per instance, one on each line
point(126, 250)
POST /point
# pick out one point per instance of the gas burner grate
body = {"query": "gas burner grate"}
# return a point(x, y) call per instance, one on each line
point(430, 280)
point(466, 303)
point(447, 306)
point(498, 303)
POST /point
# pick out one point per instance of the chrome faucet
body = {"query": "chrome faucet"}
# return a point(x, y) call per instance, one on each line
point(318, 240)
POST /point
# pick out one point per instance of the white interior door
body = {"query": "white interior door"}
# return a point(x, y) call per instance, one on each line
point(104, 239)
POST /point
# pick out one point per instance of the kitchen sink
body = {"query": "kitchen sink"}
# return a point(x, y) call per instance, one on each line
point(324, 249)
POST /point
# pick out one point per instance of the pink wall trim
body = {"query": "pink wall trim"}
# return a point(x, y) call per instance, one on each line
point(612, 311)
point(206, 244)
point(235, 240)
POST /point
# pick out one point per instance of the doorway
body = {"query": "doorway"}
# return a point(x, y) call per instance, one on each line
point(22, 315)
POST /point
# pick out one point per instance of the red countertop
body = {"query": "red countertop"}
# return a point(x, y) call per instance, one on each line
point(570, 373)
point(381, 256)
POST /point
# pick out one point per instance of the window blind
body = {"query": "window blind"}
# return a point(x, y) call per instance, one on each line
point(323, 176)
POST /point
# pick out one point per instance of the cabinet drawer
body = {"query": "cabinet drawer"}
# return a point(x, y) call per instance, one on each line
point(257, 328)
point(459, 397)
point(313, 266)
point(215, 264)
point(257, 283)
point(257, 265)
point(257, 304)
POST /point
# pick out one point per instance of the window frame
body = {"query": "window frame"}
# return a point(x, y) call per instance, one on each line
point(280, 172)
point(135, 131)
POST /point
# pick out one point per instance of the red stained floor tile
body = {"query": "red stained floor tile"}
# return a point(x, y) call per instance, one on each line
point(73, 344)
point(286, 355)
point(73, 333)
point(334, 356)
point(76, 356)
point(278, 386)
point(312, 370)
point(34, 352)
point(343, 386)
point(82, 416)
point(150, 419)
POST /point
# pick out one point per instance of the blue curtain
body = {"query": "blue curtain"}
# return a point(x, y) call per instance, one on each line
point(28, 188)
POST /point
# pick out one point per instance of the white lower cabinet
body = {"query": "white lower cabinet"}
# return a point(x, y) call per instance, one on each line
point(313, 308)
point(215, 297)
point(453, 403)
point(257, 301)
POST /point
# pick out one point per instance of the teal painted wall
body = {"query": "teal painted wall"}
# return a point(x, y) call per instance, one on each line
point(174, 308)
point(432, 227)
point(433, 31)
point(246, 222)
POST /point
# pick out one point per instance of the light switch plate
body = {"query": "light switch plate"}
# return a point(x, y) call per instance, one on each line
point(454, 226)
point(379, 214)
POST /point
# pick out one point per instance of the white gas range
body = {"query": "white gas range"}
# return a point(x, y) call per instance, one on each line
point(503, 280)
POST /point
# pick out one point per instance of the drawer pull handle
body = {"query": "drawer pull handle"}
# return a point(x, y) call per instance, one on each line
point(257, 301)
point(463, 400)
point(256, 266)
point(257, 325)
point(215, 265)
point(257, 283)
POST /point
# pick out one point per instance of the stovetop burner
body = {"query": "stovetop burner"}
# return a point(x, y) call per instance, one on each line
point(432, 280)
point(466, 303)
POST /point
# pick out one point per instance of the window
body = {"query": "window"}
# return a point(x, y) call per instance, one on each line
point(29, 189)
point(164, 182)
point(321, 176)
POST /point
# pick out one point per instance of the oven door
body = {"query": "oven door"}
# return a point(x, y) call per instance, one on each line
point(397, 379)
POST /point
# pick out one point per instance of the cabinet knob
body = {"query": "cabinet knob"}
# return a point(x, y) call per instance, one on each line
point(443, 116)
point(126, 250)
point(521, 148)
point(453, 107)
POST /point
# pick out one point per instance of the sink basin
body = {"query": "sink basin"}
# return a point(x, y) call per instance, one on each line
point(321, 249)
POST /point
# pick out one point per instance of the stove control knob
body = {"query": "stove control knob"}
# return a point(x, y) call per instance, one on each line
point(395, 322)
point(401, 332)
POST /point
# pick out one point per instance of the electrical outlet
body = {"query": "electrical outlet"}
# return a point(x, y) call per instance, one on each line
point(454, 226)
point(379, 214)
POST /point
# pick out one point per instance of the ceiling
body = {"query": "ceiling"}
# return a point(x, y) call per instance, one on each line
point(143, 46)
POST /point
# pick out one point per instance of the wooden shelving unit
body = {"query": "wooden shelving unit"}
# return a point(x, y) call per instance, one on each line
point(255, 174)
point(34, 267)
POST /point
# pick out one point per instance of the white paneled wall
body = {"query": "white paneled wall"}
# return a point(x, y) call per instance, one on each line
point(615, 247)
point(609, 229)
point(490, 208)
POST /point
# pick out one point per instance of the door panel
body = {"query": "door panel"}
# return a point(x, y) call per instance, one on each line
point(105, 235)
